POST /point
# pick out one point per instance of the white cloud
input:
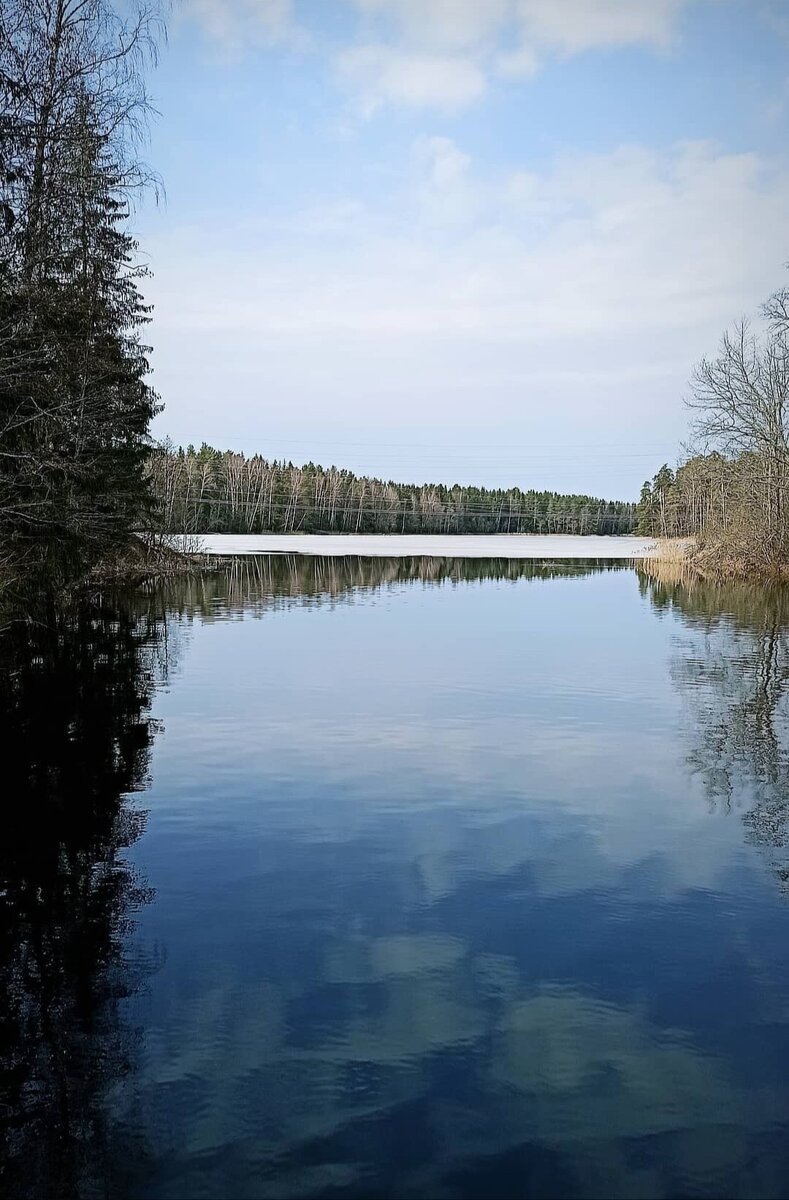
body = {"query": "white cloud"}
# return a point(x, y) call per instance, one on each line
point(567, 25)
point(597, 245)
point(510, 37)
point(571, 26)
point(523, 62)
point(239, 24)
point(381, 74)
point(448, 194)
point(439, 54)
point(447, 164)
point(575, 296)
point(442, 24)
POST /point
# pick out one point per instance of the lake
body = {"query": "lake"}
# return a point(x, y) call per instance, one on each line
point(398, 877)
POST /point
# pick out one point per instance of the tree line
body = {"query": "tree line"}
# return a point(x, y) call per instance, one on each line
point(732, 495)
point(213, 491)
point(695, 497)
point(75, 405)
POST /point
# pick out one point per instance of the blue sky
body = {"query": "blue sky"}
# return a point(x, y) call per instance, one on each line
point(461, 240)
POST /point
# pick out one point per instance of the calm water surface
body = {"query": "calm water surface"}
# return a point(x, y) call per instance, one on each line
point(369, 878)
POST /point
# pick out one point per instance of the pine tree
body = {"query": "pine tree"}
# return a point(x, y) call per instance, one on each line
point(645, 511)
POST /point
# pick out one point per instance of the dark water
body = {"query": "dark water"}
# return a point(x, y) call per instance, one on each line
point(360, 878)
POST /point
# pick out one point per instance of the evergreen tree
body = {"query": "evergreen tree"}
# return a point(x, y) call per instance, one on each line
point(645, 512)
point(74, 401)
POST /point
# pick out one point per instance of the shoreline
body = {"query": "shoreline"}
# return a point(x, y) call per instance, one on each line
point(148, 559)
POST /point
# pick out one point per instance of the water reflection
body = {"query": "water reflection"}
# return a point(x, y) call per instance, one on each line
point(732, 669)
point(441, 929)
point(253, 584)
point(442, 911)
point(75, 694)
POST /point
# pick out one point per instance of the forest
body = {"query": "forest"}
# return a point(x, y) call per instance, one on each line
point(208, 490)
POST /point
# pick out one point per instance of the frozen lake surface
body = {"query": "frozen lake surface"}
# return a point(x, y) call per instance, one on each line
point(438, 546)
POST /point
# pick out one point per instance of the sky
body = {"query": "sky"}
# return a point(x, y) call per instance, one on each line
point(475, 241)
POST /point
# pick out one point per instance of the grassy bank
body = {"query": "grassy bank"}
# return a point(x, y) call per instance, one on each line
point(685, 558)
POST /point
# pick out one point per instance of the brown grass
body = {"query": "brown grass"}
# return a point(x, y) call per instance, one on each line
point(681, 560)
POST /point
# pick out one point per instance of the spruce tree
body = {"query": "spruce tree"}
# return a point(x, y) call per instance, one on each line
point(74, 402)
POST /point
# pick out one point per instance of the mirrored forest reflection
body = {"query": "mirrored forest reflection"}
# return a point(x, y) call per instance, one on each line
point(75, 694)
point(255, 583)
point(732, 670)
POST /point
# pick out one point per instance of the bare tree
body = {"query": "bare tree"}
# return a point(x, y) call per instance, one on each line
point(734, 496)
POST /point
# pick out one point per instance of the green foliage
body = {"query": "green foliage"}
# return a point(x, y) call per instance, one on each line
point(222, 492)
point(651, 517)
point(645, 512)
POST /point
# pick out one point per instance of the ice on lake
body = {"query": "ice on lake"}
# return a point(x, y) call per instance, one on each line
point(439, 546)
